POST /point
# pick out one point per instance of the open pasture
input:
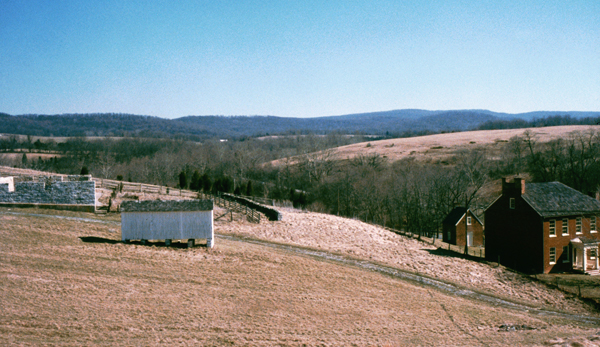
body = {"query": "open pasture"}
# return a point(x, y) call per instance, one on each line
point(72, 282)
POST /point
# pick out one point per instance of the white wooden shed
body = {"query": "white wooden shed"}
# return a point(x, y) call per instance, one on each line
point(168, 220)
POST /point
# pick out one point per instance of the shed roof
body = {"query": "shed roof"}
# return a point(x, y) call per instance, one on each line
point(456, 215)
point(167, 206)
point(555, 199)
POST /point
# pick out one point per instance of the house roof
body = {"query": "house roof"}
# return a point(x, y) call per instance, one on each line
point(456, 215)
point(167, 206)
point(555, 199)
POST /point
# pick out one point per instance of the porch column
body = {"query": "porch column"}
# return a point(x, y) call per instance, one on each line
point(597, 258)
point(584, 260)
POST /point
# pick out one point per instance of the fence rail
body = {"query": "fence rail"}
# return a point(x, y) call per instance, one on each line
point(579, 285)
point(478, 252)
point(252, 215)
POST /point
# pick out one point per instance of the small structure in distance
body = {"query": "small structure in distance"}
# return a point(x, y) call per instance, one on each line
point(462, 228)
point(168, 220)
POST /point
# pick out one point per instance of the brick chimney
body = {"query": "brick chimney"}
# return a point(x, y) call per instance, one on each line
point(520, 185)
point(514, 188)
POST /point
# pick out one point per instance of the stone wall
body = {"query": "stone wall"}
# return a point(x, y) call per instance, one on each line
point(51, 190)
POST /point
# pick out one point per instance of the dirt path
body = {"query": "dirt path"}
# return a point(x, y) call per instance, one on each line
point(417, 279)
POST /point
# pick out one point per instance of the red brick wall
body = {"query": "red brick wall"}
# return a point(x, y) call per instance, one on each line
point(560, 241)
point(462, 228)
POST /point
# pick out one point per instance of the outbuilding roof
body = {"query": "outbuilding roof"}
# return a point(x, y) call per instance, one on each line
point(555, 199)
point(456, 215)
point(167, 206)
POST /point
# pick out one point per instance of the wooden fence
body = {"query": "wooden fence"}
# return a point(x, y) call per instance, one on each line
point(478, 252)
point(252, 215)
point(582, 286)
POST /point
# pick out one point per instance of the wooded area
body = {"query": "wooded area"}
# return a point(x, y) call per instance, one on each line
point(390, 124)
point(412, 195)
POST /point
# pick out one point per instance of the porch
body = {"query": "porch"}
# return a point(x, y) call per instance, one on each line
point(585, 255)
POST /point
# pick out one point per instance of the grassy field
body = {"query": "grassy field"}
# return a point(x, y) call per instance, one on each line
point(71, 282)
point(440, 147)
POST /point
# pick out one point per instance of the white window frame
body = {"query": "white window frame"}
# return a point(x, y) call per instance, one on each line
point(565, 226)
point(468, 220)
point(552, 227)
point(567, 257)
point(552, 256)
point(512, 203)
point(593, 224)
point(578, 224)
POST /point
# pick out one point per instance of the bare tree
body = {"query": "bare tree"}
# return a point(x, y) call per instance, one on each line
point(106, 162)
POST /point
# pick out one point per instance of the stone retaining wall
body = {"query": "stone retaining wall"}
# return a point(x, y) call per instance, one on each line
point(51, 190)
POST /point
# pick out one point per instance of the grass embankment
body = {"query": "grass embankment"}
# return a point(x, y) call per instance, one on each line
point(71, 282)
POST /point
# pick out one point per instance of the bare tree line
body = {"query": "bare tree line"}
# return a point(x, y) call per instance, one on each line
point(414, 195)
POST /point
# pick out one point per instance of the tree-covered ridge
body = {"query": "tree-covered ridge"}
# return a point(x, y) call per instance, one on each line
point(397, 123)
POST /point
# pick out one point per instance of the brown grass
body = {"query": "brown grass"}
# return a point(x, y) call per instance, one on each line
point(358, 239)
point(442, 146)
point(67, 282)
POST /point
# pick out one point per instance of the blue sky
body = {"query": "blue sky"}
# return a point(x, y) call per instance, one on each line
point(297, 58)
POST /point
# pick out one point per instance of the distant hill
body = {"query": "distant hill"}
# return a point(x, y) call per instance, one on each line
point(388, 123)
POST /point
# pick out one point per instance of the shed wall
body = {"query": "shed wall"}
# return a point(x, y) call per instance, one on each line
point(167, 225)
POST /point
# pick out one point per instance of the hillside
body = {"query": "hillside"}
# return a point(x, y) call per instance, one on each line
point(388, 123)
point(442, 146)
point(71, 282)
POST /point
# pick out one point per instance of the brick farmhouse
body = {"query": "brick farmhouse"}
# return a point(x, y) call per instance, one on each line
point(543, 228)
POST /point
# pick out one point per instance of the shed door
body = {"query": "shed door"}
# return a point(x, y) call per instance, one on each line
point(470, 238)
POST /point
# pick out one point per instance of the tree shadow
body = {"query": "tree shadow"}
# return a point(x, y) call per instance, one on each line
point(94, 239)
point(450, 254)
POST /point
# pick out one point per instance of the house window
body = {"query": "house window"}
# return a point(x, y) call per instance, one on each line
point(552, 255)
point(552, 227)
point(578, 225)
point(593, 253)
point(593, 227)
point(565, 254)
point(565, 226)
point(511, 203)
point(468, 220)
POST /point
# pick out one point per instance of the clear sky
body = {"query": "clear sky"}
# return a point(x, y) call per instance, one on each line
point(297, 58)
